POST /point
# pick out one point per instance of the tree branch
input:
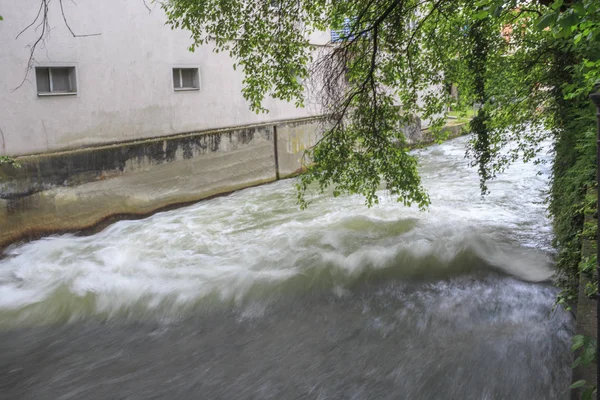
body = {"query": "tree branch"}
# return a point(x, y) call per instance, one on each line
point(42, 17)
point(62, 10)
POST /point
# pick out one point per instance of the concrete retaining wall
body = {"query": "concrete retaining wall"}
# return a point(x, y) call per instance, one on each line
point(293, 139)
point(80, 189)
point(87, 188)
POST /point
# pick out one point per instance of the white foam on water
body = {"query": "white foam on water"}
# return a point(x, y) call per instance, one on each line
point(258, 239)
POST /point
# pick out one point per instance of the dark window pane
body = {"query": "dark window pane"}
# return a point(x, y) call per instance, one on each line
point(43, 80)
point(61, 80)
point(176, 83)
point(185, 78)
point(188, 77)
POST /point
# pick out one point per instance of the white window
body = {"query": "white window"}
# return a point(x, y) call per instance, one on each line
point(56, 81)
point(186, 79)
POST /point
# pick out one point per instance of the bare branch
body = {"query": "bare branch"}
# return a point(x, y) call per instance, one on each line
point(44, 23)
point(42, 4)
point(62, 10)
point(40, 38)
point(147, 7)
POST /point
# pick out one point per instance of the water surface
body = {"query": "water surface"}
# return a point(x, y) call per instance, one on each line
point(247, 297)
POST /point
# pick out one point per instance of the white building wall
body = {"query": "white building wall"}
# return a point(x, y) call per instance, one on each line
point(125, 89)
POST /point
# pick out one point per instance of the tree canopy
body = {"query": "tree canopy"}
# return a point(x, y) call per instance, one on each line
point(392, 60)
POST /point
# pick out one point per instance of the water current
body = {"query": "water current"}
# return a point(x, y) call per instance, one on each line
point(247, 297)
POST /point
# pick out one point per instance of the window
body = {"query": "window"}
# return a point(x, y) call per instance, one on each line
point(55, 81)
point(185, 79)
point(343, 34)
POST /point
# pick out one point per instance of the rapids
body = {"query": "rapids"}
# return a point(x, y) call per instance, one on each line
point(247, 297)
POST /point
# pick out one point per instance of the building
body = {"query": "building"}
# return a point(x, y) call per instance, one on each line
point(134, 78)
point(125, 120)
point(115, 118)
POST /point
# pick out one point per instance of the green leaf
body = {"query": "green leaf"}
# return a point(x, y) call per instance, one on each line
point(481, 14)
point(545, 21)
point(578, 384)
point(557, 4)
point(588, 355)
point(588, 393)
point(578, 342)
point(579, 8)
point(1, 19)
point(569, 21)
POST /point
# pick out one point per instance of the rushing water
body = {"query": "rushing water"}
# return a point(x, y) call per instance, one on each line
point(247, 297)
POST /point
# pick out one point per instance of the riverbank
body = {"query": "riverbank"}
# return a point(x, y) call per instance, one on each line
point(586, 309)
point(86, 189)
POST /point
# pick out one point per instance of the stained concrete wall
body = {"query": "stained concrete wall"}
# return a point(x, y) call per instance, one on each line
point(293, 139)
point(77, 190)
point(86, 188)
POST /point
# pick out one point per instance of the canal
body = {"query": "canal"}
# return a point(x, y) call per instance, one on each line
point(247, 297)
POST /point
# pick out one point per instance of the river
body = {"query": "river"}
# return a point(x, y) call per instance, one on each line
point(247, 297)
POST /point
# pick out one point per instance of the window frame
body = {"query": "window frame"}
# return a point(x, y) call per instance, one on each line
point(195, 78)
point(73, 78)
